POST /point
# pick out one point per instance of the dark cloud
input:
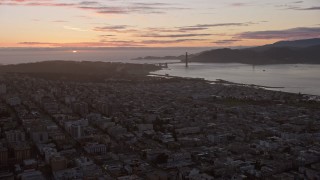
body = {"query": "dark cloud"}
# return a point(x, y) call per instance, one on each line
point(110, 43)
point(200, 27)
point(49, 4)
point(153, 7)
point(116, 29)
point(106, 10)
point(161, 32)
point(239, 4)
point(226, 41)
point(184, 29)
point(169, 41)
point(310, 8)
point(107, 35)
point(111, 28)
point(302, 8)
point(207, 26)
point(221, 25)
point(85, 44)
point(38, 43)
point(132, 7)
point(88, 3)
point(297, 5)
point(152, 4)
point(294, 33)
point(173, 35)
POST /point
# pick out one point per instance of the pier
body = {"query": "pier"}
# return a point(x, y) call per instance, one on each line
point(163, 65)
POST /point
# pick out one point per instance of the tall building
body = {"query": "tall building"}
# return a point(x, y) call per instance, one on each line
point(95, 148)
point(81, 108)
point(39, 136)
point(15, 136)
point(21, 151)
point(3, 156)
point(3, 89)
point(69, 99)
point(187, 60)
point(77, 130)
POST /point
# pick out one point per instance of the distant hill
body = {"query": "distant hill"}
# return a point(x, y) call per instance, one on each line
point(303, 43)
point(283, 52)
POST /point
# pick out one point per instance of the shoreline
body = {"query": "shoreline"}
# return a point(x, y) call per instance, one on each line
point(222, 81)
point(217, 81)
point(227, 83)
point(235, 62)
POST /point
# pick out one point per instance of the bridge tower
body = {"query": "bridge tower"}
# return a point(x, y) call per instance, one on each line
point(187, 65)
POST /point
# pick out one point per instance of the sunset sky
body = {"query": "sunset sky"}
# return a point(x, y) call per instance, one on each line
point(151, 23)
